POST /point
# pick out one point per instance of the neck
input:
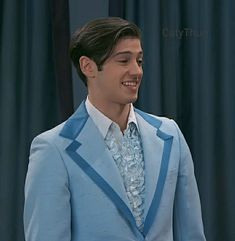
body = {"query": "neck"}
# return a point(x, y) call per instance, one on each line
point(118, 113)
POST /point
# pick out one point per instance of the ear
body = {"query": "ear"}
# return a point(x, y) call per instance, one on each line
point(88, 67)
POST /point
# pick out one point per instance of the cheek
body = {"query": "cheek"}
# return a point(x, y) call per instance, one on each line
point(112, 80)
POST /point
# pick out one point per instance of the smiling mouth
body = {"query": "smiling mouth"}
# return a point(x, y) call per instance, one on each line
point(130, 83)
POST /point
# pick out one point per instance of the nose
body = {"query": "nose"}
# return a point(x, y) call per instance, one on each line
point(136, 70)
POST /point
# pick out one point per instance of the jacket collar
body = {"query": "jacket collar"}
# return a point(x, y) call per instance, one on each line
point(75, 123)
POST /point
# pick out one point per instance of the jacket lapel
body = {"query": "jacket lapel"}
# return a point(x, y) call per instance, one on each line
point(153, 148)
point(89, 151)
point(157, 147)
point(94, 151)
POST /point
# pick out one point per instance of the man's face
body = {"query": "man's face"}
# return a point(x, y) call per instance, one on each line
point(119, 80)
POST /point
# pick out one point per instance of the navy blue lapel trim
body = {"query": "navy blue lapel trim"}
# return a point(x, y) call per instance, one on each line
point(168, 139)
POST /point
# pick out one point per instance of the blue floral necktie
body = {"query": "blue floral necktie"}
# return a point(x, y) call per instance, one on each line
point(127, 152)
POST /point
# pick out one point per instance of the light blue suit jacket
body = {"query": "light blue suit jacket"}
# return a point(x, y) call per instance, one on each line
point(74, 192)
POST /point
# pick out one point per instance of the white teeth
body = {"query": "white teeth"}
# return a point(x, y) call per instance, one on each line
point(130, 83)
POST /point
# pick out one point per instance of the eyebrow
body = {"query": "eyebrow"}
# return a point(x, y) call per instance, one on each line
point(126, 52)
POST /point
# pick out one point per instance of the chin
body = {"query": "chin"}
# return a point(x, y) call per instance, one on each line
point(132, 100)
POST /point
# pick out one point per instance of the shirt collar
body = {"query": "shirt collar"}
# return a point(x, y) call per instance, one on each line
point(103, 122)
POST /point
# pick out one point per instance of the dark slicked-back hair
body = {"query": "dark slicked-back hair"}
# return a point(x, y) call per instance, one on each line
point(97, 40)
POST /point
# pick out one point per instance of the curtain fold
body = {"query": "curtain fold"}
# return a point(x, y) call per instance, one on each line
point(63, 72)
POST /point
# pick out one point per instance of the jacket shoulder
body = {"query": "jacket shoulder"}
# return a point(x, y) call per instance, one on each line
point(50, 135)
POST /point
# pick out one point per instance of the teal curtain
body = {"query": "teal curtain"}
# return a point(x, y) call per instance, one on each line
point(189, 70)
point(30, 95)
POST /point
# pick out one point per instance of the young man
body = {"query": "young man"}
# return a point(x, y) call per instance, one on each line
point(111, 172)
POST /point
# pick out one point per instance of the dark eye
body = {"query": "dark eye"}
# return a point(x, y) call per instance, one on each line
point(140, 62)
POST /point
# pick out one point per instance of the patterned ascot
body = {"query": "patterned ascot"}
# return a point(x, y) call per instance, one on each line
point(127, 152)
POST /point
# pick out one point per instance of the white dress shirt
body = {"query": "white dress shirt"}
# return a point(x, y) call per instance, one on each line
point(103, 123)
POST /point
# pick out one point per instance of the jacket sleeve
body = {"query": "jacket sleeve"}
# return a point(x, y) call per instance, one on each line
point(187, 209)
point(47, 210)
